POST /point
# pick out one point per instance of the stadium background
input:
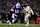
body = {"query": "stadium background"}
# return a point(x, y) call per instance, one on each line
point(6, 5)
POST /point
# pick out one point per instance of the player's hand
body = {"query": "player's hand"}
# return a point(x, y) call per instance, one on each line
point(32, 13)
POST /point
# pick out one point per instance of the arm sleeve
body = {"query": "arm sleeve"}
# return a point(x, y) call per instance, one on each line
point(32, 12)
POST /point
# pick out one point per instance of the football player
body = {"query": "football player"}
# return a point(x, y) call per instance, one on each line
point(16, 10)
point(28, 11)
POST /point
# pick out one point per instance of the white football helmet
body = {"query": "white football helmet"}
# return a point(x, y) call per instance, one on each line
point(17, 5)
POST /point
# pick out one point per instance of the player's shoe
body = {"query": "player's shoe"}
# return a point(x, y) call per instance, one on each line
point(27, 24)
point(9, 24)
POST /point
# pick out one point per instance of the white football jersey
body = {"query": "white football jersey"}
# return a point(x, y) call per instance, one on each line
point(29, 10)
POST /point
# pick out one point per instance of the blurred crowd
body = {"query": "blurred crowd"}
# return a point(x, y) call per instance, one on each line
point(5, 5)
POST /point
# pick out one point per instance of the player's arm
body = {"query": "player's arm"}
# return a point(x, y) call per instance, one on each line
point(12, 9)
point(32, 11)
point(24, 10)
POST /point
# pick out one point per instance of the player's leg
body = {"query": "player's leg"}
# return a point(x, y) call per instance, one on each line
point(16, 16)
point(11, 19)
point(9, 23)
point(27, 19)
point(27, 22)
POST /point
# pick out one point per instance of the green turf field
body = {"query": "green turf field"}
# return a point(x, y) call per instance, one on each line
point(20, 25)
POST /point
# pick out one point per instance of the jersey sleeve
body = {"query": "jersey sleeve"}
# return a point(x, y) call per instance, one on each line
point(20, 8)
